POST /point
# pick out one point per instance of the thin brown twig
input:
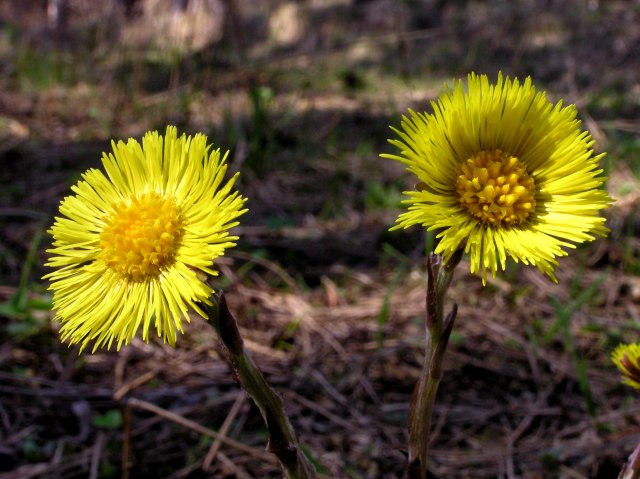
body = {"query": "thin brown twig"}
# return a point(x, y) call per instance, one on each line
point(96, 452)
point(205, 431)
point(314, 406)
point(226, 425)
point(228, 463)
point(137, 382)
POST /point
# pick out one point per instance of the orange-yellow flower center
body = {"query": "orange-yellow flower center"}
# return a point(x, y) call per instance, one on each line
point(496, 189)
point(142, 237)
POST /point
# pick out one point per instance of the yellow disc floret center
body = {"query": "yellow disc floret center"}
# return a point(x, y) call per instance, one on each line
point(495, 188)
point(142, 236)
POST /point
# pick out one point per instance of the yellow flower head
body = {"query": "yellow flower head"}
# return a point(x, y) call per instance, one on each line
point(130, 245)
point(503, 172)
point(627, 358)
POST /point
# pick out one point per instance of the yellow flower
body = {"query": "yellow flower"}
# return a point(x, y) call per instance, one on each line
point(503, 172)
point(130, 245)
point(627, 358)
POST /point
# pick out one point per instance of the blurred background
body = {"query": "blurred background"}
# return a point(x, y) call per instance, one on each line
point(330, 302)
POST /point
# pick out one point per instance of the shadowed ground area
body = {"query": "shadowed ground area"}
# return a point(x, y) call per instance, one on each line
point(330, 303)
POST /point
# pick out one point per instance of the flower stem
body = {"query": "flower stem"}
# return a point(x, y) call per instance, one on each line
point(631, 469)
point(437, 331)
point(283, 441)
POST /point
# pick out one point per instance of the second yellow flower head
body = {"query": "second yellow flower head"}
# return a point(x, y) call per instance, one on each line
point(503, 173)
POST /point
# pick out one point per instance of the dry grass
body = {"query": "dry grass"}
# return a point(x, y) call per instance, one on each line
point(508, 407)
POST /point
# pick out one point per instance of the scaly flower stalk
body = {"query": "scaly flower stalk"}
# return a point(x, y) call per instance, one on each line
point(437, 331)
point(283, 441)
